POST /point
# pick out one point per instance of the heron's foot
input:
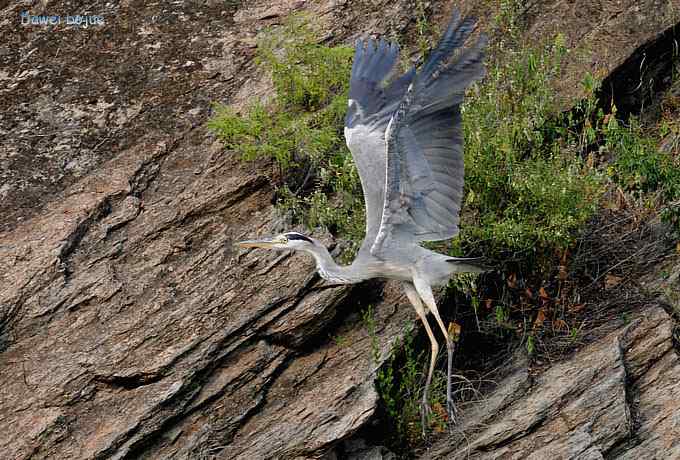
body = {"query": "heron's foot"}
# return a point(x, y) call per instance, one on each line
point(425, 412)
point(450, 405)
point(451, 412)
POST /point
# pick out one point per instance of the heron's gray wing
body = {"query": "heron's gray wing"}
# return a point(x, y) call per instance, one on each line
point(372, 101)
point(424, 174)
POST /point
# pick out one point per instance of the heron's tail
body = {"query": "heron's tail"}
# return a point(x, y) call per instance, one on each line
point(469, 264)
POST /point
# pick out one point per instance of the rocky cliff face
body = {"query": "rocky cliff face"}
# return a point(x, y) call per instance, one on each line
point(612, 399)
point(130, 327)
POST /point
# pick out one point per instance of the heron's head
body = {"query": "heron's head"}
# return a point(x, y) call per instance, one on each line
point(290, 240)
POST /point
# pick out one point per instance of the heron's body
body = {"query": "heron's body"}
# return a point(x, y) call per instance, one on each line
point(405, 135)
point(432, 267)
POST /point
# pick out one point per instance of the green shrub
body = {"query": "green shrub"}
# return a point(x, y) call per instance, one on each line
point(641, 168)
point(526, 188)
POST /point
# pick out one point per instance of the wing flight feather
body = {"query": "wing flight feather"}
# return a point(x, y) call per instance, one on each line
point(373, 98)
point(406, 138)
point(424, 167)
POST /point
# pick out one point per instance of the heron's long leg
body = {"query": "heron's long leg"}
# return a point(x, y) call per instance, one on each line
point(425, 292)
point(413, 297)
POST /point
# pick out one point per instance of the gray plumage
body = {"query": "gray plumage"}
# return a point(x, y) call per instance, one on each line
point(405, 135)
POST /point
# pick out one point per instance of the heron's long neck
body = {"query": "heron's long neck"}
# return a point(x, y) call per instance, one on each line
point(331, 271)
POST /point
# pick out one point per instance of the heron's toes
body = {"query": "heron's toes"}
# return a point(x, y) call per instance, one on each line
point(425, 412)
point(451, 412)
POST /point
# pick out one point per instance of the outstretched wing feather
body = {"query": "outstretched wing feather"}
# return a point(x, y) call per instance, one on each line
point(422, 203)
point(371, 103)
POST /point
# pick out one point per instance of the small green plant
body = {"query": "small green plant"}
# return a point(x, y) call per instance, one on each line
point(639, 165)
point(400, 381)
point(341, 341)
point(368, 319)
point(508, 19)
point(575, 332)
point(423, 28)
point(625, 317)
point(641, 168)
point(384, 381)
point(502, 316)
point(531, 347)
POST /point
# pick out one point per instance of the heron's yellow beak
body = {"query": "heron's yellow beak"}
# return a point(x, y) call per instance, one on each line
point(267, 243)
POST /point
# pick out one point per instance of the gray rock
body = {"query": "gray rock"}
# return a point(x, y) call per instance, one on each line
point(616, 398)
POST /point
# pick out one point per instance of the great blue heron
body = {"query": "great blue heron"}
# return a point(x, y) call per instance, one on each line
point(406, 138)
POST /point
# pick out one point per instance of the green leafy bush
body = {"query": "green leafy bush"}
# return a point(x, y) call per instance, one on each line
point(641, 168)
point(526, 188)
